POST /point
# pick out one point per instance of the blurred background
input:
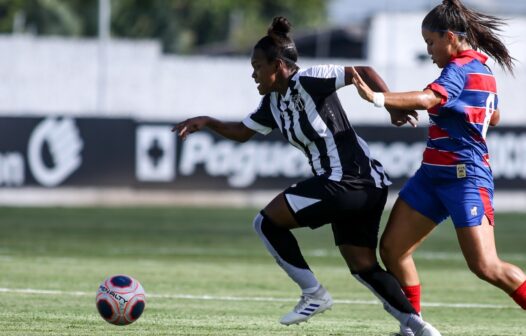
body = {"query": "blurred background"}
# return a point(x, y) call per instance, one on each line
point(90, 90)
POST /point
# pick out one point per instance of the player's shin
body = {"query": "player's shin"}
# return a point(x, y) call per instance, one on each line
point(388, 290)
point(282, 245)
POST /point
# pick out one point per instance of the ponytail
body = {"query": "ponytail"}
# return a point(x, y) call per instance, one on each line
point(480, 30)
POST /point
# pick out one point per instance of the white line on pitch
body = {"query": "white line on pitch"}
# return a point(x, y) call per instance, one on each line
point(238, 298)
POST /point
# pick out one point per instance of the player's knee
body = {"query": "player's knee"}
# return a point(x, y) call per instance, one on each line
point(484, 269)
point(393, 254)
point(262, 223)
point(358, 259)
point(257, 222)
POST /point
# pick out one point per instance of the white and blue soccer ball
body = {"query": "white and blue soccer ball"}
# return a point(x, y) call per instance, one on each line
point(120, 299)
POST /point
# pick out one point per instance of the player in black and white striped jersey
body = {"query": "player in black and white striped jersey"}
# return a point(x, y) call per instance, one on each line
point(312, 119)
point(348, 189)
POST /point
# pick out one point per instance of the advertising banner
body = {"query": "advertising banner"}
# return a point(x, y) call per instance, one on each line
point(96, 152)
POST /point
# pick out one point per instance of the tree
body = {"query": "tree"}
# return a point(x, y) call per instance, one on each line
point(40, 17)
point(181, 25)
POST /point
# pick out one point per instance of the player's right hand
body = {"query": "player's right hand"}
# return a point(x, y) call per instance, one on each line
point(189, 126)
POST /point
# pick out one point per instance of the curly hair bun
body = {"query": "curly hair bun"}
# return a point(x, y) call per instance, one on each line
point(280, 26)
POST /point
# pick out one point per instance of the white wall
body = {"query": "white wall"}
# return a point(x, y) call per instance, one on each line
point(395, 42)
point(395, 39)
point(346, 11)
point(62, 76)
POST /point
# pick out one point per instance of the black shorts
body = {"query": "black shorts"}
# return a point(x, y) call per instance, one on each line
point(353, 211)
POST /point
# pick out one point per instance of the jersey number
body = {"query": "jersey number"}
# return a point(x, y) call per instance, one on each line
point(490, 108)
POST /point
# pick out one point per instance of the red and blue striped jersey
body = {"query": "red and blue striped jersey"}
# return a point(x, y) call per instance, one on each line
point(456, 145)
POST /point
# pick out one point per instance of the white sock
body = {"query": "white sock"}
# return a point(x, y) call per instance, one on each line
point(312, 290)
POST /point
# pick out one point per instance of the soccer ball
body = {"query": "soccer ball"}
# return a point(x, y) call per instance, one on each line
point(120, 299)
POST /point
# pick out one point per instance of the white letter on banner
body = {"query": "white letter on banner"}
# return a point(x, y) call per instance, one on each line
point(195, 150)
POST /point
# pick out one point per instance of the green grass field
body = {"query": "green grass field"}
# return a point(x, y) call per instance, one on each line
point(206, 273)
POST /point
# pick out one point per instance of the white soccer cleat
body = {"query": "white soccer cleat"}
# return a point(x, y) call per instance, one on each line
point(428, 330)
point(308, 306)
point(404, 331)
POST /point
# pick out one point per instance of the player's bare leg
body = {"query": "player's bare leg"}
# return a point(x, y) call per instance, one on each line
point(479, 249)
point(406, 229)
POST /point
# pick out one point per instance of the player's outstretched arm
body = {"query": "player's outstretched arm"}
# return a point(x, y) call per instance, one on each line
point(414, 100)
point(374, 82)
point(368, 75)
point(236, 131)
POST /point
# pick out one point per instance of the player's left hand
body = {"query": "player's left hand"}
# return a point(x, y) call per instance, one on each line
point(402, 117)
point(363, 89)
point(398, 117)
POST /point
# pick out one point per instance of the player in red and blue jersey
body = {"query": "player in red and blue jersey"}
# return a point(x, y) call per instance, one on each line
point(455, 177)
point(458, 124)
point(456, 147)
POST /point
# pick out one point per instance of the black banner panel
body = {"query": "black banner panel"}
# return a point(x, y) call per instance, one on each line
point(97, 152)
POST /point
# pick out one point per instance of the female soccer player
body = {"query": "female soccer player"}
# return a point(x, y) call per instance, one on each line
point(348, 189)
point(455, 177)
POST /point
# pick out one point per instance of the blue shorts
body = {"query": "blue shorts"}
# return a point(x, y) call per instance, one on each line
point(465, 200)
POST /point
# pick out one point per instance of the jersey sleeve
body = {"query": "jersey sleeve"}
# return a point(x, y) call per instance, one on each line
point(322, 80)
point(450, 84)
point(261, 120)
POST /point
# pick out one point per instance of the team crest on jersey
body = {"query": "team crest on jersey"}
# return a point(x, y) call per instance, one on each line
point(299, 105)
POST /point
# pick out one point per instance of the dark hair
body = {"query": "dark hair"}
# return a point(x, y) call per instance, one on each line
point(477, 28)
point(277, 44)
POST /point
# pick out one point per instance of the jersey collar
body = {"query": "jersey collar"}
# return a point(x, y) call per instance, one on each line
point(291, 85)
point(472, 54)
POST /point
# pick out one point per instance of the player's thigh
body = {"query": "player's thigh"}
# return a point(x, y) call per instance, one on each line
point(405, 230)
point(279, 213)
point(478, 244)
point(317, 201)
point(309, 203)
point(415, 214)
point(359, 223)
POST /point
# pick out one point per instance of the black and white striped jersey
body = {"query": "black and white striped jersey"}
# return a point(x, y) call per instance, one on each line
point(311, 118)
